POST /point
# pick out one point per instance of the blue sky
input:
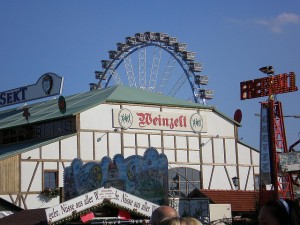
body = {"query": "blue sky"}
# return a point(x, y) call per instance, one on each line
point(233, 39)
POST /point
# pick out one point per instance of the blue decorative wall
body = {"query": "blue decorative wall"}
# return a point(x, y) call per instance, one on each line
point(143, 176)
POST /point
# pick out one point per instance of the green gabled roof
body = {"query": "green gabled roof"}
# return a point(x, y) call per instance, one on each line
point(138, 96)
point(78, 103)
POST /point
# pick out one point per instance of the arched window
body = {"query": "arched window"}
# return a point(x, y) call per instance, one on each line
point(182, 181)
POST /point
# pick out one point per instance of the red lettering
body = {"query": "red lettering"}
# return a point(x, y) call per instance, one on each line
point(180, 121)
point(171, 123)
point(165, 122)
point(141, 119)
point(270, 85)
point(155, 121)
point(159, 120)
point(278, 86)
point(267, 86)
point(145, 119)
point(148, 118)
point(250, 85)
point(292, 82)
point(284, 83)
point(263, 86)
point(256, 88)
point(244, 92)
point(176, 123)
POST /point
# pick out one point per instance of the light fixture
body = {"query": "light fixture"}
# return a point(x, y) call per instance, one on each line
point(267, 70)
point(100, 138)
point(204, 143)
point(235, 181)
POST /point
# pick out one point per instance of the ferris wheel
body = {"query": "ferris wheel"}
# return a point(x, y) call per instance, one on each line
point(155, 62)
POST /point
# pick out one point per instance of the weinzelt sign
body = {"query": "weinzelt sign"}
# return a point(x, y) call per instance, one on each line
point(49, 84)
point(140, 119)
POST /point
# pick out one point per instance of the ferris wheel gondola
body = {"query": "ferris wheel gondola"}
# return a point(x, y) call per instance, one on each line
point(155, 62)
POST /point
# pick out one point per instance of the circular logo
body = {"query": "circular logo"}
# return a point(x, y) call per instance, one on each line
point(196, 122)
point(47, 84)
point(125, 118)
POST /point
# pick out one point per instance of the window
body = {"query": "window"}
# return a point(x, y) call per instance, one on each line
point(182, 181)
point(50, 179)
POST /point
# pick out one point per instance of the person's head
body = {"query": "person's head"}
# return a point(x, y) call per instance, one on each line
point(161, 213)
point(172, 221)
point(191, 221)
point(279, 212)
point(180, 221)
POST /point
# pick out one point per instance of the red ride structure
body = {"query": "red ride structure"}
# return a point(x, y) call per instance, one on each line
point(281, 181)
point(273, 137)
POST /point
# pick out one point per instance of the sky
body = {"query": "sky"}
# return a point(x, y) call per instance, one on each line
point(232, 39)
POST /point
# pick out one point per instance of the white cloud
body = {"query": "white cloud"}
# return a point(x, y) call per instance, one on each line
point(278, 23)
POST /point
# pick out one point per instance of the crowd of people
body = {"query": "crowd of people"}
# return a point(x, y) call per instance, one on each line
point(166, 215)
point(273, 212)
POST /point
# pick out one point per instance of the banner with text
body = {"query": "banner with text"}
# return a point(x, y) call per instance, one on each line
point(74, 206)
point(151, 120)
point(49, 84)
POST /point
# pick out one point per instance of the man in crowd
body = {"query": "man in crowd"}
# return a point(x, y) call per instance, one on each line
point(161, 213)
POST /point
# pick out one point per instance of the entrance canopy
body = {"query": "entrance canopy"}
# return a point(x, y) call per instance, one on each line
point(87, 202)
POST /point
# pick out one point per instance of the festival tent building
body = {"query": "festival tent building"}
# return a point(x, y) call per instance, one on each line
point(39, 142)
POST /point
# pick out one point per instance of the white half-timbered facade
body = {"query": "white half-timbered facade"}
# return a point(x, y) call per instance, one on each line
point(200, 142)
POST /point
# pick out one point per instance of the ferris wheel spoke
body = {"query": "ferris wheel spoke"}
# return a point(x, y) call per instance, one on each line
point(167, 74)
point(154, 68)
point(178, 85)
point(115, 76)
point(142, 68)
point(129, 71)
